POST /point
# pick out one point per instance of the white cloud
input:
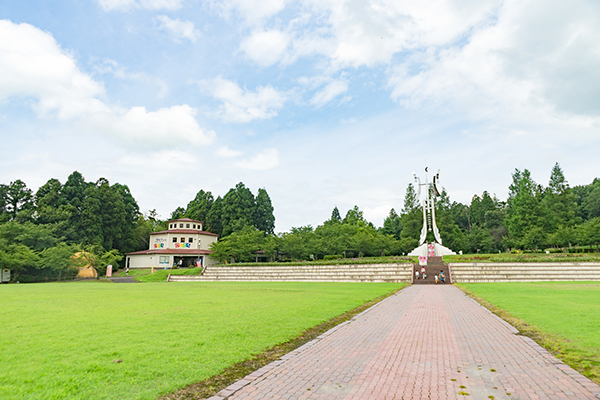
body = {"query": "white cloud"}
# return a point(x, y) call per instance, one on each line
point(126, 5)
point(265, 48)
point(226, 152)
point(329, 92)
point(242, 105)
point(179, 29)
point(359, 33)
point(168, 127)
point(32, 65)
point(253, 11)
point(267, 159)
point(534, 61)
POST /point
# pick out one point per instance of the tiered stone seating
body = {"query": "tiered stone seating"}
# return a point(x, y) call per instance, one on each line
point(524, 272)
point(312, 273)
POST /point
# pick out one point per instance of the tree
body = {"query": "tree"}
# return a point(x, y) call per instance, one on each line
point(98, 258)
point(18, 198)
point(355, 216)
point(411, 201)
point(4, 215)
point(178, 213)
point(559, 202)
point(364, 241)
point(411, 219)
point(214, 217)
point(73, 195)
point(144, 226)
point(588, 233)
point(335, 217)
point(199, 208)
point(239, 246)
point(58, 258)
point(392, 225)
point(592, 203)
point(238, 209)
point(524, 211)
point(264, 218)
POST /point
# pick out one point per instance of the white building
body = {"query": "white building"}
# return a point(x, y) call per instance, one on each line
point(184, 241)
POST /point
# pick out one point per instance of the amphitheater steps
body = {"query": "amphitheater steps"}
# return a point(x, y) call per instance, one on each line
point(308, 273)
point(524, 272)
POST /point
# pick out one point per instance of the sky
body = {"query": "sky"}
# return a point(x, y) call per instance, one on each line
point(322, 103)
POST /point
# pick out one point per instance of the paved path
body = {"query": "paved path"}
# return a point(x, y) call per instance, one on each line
point(426, 342)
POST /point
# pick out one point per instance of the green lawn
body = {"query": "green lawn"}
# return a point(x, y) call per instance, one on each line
point(568, 311)
point(61, 340)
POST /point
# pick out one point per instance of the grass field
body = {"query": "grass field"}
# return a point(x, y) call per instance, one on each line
point(65, 340)
point(562, 316)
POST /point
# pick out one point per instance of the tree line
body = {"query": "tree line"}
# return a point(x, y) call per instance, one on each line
point(533, 217)
point(40, 232)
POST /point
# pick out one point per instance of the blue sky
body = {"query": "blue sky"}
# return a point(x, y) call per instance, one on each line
point(323, 103)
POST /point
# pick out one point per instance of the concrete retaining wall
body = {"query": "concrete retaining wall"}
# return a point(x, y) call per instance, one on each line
point(524, 272)
point(309, 273)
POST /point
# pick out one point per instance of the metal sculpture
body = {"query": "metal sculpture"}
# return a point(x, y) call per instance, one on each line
point(428, 205)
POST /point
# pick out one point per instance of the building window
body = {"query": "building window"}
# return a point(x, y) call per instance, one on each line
point(174, 240)
point(191, 240)
point(182, 240)
point(187, 225)
point(164, 259)
point(181, 225)
point(194, 226)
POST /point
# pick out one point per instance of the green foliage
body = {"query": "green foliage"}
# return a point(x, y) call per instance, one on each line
point(18, 199)
point(168, 335)
point(240, 245)
point(392, 225)
point(199, 208)
point(264, 220)
point(238, 209)
point(335, 216)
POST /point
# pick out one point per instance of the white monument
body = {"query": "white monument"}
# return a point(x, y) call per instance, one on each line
point(435, 248)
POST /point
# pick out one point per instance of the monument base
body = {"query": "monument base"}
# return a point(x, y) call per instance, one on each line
point(423, 250)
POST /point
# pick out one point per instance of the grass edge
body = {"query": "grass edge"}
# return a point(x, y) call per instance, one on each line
point(586, 364)
point(211, 386)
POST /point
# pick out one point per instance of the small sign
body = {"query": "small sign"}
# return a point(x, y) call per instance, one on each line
point(422, 260)
point(431, 250)
point(109, 270)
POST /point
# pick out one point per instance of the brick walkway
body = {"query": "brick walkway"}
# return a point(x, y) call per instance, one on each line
point(426, 342)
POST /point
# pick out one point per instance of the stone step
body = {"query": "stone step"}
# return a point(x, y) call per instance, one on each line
point(313, 273)
point(524, 272)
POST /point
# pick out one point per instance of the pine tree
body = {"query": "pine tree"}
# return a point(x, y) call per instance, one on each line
point(199, 208)
point(559, 202)
point(392, 225)
point(335, 216)
point(214, 219)
point(264, 218)
point(524, 211)
point(238, 209)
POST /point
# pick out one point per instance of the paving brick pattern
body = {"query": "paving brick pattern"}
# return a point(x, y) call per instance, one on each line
point(426, 342)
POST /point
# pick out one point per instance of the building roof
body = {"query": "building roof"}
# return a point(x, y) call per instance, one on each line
point(179, 231)
point(186, 252)
point(186, 220)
